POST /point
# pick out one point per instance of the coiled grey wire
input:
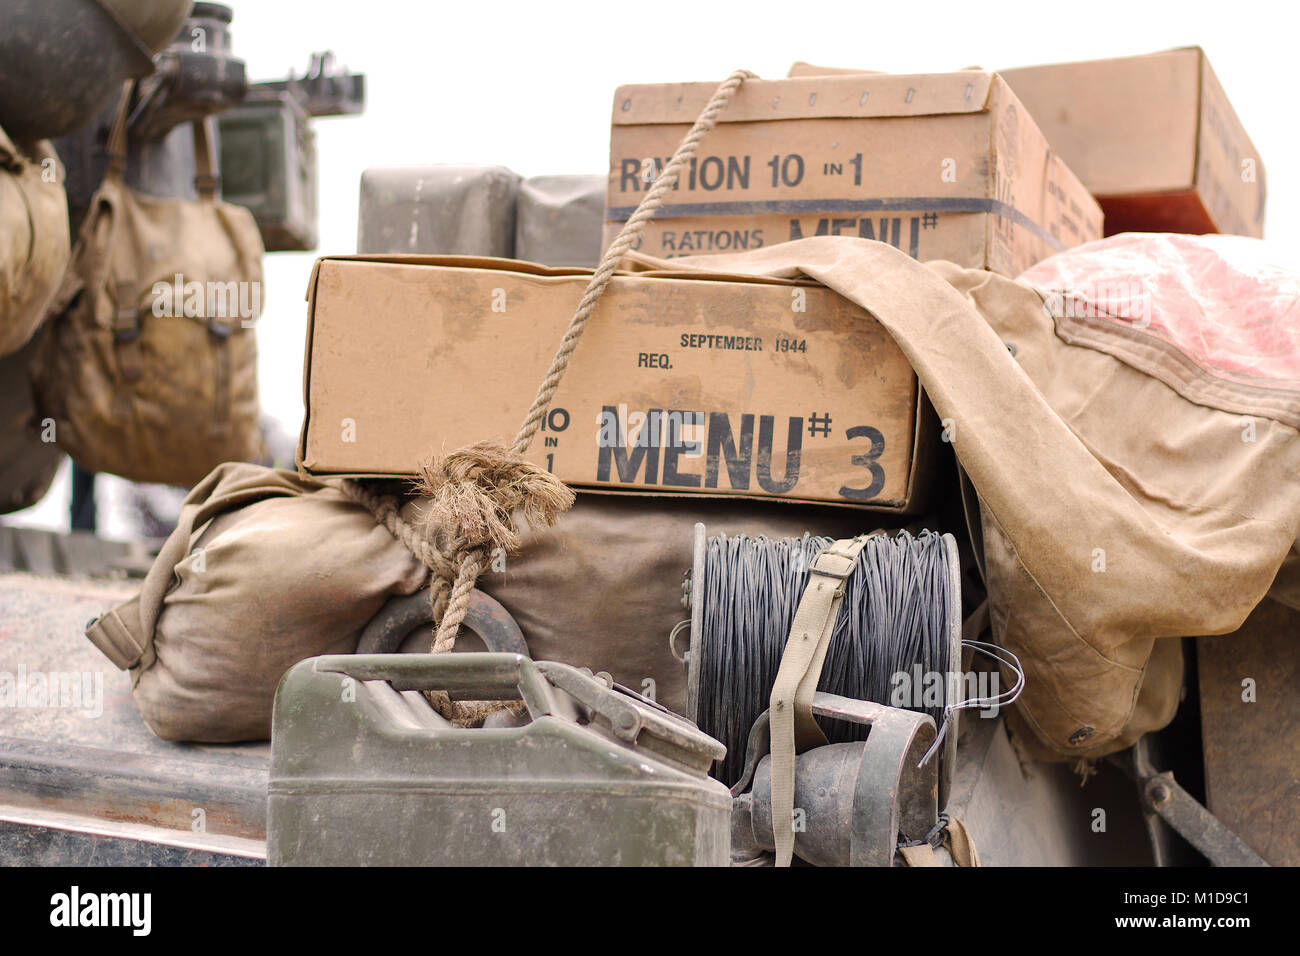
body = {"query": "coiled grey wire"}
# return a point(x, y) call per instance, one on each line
point(894, 617)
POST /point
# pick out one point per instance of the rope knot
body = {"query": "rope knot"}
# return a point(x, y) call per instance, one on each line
point(473, 493)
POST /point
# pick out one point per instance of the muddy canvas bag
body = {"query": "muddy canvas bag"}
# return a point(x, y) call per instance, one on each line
point(150, 371)
point(263, 570)
point(33, 238)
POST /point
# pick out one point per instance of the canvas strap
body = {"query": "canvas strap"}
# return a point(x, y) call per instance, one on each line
point(955, 837)
point(117, 140)
point(206, 181)
point(122, 634)
point(793, 727)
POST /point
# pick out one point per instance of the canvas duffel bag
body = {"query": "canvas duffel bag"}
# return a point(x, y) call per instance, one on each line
point(150, 370)
point(264, 569)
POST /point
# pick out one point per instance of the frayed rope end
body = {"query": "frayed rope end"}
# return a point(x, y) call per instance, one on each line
point(474, 492)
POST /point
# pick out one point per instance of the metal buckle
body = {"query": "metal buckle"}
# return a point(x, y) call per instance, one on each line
point(126, 318)
point(849, 560)
point(220, 327)
point(934, 838)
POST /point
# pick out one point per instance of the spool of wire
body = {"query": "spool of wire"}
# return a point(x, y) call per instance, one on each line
point(896, 641)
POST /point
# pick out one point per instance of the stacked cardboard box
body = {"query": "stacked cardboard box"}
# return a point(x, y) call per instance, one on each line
point(696, 384)
point(690, 384)
point(943, 166)
point(1153, 137)
point(1155, 140)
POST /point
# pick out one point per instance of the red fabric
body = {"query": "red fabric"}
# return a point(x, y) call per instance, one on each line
point(1228, 303)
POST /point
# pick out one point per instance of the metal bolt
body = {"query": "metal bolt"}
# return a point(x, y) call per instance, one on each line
point(1082, 734)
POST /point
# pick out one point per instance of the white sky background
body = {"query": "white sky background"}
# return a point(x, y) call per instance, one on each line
point(530, 86)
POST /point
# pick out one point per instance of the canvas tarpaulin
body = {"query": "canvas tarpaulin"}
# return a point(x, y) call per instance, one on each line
point(1116, 512)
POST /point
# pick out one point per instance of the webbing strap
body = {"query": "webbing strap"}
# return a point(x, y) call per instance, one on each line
point(116, 147)
point(919, 855)
point(111, 635)
point(793, 727)
point(955, 837)
point(960, 844)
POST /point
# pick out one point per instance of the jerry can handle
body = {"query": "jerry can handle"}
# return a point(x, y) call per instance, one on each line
point(475, 676)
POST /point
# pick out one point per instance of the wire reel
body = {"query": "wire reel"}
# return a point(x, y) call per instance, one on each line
point(901, 615)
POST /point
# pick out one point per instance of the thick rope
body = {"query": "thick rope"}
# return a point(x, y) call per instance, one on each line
point(385, 511)
point(448, 480)
point(475, 491)
point(627, 237)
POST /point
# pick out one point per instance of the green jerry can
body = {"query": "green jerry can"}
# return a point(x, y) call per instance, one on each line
point(364, 772)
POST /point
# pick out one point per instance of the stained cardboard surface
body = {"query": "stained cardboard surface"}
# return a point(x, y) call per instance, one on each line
point(683, 384)
point(1154, 138)
point(944, 166)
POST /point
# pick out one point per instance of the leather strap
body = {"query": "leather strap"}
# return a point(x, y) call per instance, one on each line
point(206, 181)
point(117, 137)
point(793, 727)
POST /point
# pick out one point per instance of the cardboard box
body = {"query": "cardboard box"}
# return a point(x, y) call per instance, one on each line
point(683, 383)
point(1154, 138)
point(943, 166)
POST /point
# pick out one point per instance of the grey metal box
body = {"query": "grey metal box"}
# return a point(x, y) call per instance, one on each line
point(438, 210)
point(560, 219)
point(268, 163)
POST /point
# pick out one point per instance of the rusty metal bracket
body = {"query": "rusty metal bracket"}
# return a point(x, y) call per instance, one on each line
point(858, 798)
point(1164, 800)
point(402, 615)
